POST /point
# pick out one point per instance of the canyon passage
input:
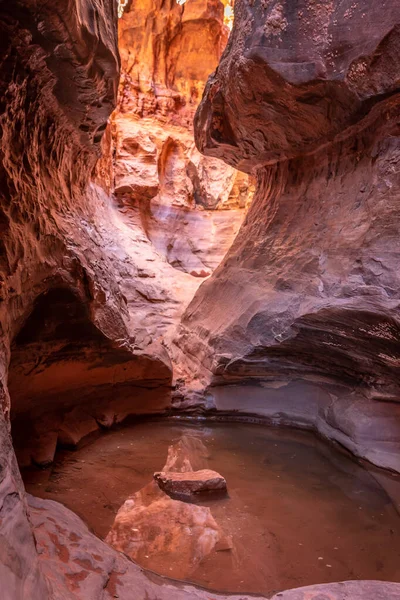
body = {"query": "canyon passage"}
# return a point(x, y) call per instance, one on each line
point(199, 300)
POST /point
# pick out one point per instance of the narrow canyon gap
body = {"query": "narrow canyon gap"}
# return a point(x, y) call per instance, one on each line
point(255, 275)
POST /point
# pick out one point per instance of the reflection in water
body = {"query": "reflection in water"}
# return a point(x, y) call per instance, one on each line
point(298, 511)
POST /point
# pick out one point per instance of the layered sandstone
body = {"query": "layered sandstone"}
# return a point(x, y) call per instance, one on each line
point(300, 319)
point(81, 315)
point(189, 206)
point(303, 309)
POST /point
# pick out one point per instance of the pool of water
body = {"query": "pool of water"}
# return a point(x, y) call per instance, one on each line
point(299, 511)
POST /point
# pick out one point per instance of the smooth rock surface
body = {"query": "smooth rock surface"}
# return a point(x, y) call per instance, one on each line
point(308, 294)
point(305, 98)
point(170, 535)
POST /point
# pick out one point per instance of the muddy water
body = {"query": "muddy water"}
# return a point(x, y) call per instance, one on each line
point(299, 511)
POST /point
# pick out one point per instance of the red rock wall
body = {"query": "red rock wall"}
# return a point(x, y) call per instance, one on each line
point(62, 235)
point(168, 51)
point(48, 126)
point(305, 98)
point(69, 271)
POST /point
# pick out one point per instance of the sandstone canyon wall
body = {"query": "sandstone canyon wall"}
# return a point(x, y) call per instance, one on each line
point(68, 341)
point(85, 299)
point(300, 320)
point(88, 306)
point(189, 206)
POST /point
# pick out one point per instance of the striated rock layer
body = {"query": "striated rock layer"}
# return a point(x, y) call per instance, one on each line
point(301, 317)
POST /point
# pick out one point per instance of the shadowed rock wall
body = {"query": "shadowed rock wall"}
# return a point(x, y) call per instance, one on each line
point(58, 85)
point(306, 98)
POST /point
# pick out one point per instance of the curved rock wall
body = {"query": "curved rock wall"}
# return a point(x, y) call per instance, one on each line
point(305, 98)
point(58, 85)
point(55, 101)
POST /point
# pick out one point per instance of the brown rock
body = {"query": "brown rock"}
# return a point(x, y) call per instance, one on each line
point(190, 483)
point(170, 536)
point(77, 427)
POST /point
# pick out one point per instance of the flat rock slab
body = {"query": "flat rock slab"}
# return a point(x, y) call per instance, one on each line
point(190, 483)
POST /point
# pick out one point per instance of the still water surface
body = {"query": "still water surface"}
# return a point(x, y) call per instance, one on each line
point(299, 511)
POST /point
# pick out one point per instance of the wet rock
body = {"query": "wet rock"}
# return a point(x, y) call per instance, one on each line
point(170, 536)
point(79, 566)
point(44, 449)
point(157, 529)
point(190, 483)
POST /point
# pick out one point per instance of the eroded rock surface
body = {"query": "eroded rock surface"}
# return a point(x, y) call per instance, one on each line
point(79, 566)
point(304, 306)
point(304, 98)
point(71, 269)
point(84, 301)
point(190, 206)
point(169, 535)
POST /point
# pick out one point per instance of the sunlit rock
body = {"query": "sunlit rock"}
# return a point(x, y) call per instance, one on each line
point(190, 206)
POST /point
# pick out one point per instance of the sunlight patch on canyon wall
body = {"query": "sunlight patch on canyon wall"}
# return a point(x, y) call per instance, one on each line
point(189, 206)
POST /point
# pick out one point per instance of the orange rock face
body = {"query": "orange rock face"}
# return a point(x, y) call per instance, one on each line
point(168, 51)
point(190, 206)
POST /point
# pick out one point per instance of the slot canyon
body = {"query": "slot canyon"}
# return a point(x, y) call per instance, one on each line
point(199, 300)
